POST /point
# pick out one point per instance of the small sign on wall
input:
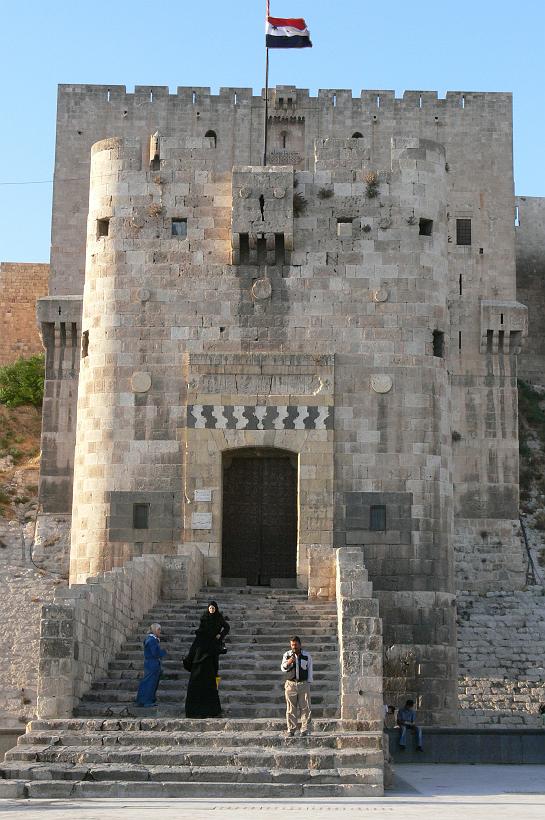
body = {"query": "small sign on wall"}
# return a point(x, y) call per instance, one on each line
point(203, 495)
point(201, 521)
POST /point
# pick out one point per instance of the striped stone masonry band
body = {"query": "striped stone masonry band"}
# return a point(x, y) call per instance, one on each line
point(260, 417)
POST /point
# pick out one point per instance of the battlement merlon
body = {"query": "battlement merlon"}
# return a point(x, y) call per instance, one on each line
point(285, 96)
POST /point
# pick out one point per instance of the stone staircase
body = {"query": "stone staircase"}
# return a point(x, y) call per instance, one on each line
point(111, 748)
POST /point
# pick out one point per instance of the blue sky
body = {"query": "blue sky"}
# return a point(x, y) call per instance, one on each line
point(460, 46)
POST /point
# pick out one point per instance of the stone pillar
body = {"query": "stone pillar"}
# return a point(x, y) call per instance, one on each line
point(360, 642)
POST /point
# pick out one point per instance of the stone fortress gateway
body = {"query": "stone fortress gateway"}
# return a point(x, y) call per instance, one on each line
point(267, 363)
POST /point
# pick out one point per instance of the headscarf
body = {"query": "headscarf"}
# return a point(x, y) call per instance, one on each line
point(212, 623)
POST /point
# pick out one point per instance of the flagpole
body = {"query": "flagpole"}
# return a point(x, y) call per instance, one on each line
point(266, 128)
point(266, 106)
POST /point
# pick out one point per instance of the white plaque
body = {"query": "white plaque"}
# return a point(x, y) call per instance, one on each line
point(203, 495)
point(381, 383)
point(201, 521)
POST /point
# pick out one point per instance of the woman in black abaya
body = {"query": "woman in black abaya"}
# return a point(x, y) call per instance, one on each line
point(202, 661)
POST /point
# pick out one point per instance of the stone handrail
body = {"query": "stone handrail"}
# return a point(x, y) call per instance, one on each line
point(85, 626)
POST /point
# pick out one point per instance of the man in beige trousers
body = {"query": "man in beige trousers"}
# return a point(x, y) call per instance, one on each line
point(297, 667)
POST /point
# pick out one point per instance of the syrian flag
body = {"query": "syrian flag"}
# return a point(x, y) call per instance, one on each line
point(286, 32)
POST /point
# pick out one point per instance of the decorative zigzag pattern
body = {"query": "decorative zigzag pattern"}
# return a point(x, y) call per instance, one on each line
point(260, 417)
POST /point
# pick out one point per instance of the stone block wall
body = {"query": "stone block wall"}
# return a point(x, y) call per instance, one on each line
point(21, 285)
point(182, 575)
point(530, 253)
point(24, 589)
point(86, 625)
point(322, 572)
point(501, 656)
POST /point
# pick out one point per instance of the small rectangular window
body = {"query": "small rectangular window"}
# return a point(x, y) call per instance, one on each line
point(140, 516)
point(439, 344)
point(261, 247)
point(103, 227)
point(244, 245)
point(463, 231)
point(179, 228)
point(377, 518)
point(279, 249)
point(425, 227)
point(84, 344)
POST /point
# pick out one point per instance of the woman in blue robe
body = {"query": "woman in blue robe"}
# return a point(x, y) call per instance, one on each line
point(152, 667)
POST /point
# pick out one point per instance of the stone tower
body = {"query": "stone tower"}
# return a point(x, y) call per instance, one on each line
point(316, 353)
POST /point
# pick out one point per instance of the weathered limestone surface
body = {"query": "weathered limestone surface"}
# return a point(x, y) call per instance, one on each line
point(24, 588)
point(21, 284)
point(530, 249)
point(84, 627)
point(360, 641)
point(501, 653)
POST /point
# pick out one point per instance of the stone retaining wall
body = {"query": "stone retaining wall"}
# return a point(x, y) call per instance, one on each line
point(86, 625)
point(501, 655)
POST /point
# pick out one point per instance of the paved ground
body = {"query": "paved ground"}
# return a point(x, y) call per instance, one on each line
point(421, 792)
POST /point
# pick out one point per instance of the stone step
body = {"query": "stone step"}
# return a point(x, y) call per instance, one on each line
point(82, 789)
point(239, 709)
point(293, 754)
point(201, 725)
point(180, 774)
point(212, 740)
point(257, 654)
point(178, 696)
point(132, 676)
point(169, 682)
point(246, 632)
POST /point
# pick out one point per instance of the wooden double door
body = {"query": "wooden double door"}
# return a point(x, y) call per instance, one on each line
point(259, 536)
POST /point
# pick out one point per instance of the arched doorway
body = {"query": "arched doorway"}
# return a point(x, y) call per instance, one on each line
point(259, 530)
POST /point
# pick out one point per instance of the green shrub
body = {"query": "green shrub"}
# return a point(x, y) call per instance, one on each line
point(22, 382)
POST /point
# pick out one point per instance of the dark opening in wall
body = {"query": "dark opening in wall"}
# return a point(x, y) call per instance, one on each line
point(84, 344)
point(425, 227)
point(261, 246)
point(377, 518)
point(459, 340)
point(179, 228)
point(460, 284)
point(244, 249)
point(284, 139)
point(515, 341)
point(212, 135)
point(439, 344)
point(357, 136)
point(262, 206)
point(140, 516)
point(463, 231)
point(155, 164)
point(103, 227)
point(489, 340)
point(279, 249)
point(344, 226)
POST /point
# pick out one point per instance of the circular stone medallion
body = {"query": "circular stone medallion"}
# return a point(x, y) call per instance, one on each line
point(279, 193)
point(380, 295)
point(381, 383)
point(244, 192)
point(140, 382)
point(144, 294)
point(261, 289)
